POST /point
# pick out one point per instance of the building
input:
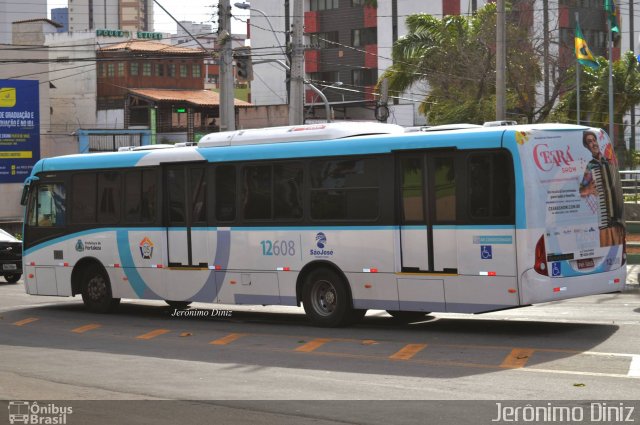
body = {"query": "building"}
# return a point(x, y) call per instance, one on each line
point(158, 86)
point(124, 15)
point(349, 46)
point(10, 12)
point(28, 141)
point(61, 16)
point(202, 32)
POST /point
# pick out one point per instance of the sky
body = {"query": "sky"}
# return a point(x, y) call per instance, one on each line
point(199, 11)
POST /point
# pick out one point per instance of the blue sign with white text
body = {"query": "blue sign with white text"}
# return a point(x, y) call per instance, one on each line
point(19, 129)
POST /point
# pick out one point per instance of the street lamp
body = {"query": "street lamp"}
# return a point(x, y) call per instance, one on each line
point(247, 6)
point(320, 93)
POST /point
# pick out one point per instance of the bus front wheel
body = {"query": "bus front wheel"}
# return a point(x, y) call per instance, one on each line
point(326, 300)
point(96, 291)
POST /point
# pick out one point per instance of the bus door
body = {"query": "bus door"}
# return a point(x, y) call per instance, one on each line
point(186, 215)
point(428, 212)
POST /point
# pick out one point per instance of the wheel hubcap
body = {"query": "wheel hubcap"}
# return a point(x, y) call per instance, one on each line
point(324, 297)
point(96, 288)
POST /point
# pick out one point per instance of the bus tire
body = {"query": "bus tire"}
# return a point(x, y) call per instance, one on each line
point(12, 278)
point(326, 300)
point(408, 316)
point(178, 305)
point(96, 291)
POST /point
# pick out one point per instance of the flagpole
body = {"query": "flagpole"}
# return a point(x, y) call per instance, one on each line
point(610, 42)
point(578, 72)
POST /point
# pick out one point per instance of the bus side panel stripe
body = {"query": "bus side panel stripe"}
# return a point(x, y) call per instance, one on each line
point(129, 267)
point(210, 290)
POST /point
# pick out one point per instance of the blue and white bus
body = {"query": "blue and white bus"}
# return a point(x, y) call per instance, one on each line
point(340, 218)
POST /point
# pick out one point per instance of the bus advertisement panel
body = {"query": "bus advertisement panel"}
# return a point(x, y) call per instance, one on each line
point(574, 175)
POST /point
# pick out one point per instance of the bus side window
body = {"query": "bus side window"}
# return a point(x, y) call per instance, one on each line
point(225, 183)
point(257, 192)
point(490, 185)
point(84, 198)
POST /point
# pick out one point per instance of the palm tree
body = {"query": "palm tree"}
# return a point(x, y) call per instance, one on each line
point(594, 94)
point(453, 61)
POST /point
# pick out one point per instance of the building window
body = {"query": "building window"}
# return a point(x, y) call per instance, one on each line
point(146, 69)
point(324, 40)
point(357, 3)
point(195, 70)
point(110, 70)
point(159, 70)
point(183, 71)
point(327, 77)
point(133, 69)
point(364, 77)
point(362, 37)
point(171, 70)
point(120, 69)
point(323, 4)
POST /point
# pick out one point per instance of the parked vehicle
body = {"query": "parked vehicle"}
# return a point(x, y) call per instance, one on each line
point(10, 257)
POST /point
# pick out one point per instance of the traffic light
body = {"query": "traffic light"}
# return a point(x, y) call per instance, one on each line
point(244, 68)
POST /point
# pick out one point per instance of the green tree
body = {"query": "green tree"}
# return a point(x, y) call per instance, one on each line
point(594, 94)
point(452, 61)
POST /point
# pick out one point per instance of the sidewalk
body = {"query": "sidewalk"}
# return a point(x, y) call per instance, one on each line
point(632, 274)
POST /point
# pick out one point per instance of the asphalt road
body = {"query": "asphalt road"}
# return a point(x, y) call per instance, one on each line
point(269, 365)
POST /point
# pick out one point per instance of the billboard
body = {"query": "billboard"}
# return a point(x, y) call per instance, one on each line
point(19, 129)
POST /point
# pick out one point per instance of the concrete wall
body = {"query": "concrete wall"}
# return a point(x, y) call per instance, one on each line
point(12, 11)
point(73, 87)
point(269, 83)
point(263, 116)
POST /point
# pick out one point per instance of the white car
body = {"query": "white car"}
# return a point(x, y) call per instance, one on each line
point(10, 257)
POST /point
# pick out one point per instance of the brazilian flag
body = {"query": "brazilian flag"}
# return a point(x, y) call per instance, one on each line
point(583, 54)
point(612, 14)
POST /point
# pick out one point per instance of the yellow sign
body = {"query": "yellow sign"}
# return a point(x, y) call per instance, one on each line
point(16, 154)
point(7, 97)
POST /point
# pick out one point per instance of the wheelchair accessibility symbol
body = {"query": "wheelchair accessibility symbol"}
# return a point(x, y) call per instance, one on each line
point(485, 252)
point(555, 269)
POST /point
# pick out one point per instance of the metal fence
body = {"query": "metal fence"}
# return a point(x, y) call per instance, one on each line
point(630, 185)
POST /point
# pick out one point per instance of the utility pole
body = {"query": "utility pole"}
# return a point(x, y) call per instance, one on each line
point(296, 105)
point(545, 59)
point(501, 53)
point(632, 47)
point(226, 107)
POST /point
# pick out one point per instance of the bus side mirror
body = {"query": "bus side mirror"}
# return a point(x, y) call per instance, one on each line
point(25, 189)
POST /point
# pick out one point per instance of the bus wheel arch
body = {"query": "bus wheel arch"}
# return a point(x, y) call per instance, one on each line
point(90, 279)
point(328, 296)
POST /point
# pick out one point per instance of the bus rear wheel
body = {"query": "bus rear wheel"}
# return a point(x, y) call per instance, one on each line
point(408, 316)
point(96, 291)
point(326, 300)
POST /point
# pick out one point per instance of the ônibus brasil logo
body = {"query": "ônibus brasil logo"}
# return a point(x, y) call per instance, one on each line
point(546, 159)
point(33, 413)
